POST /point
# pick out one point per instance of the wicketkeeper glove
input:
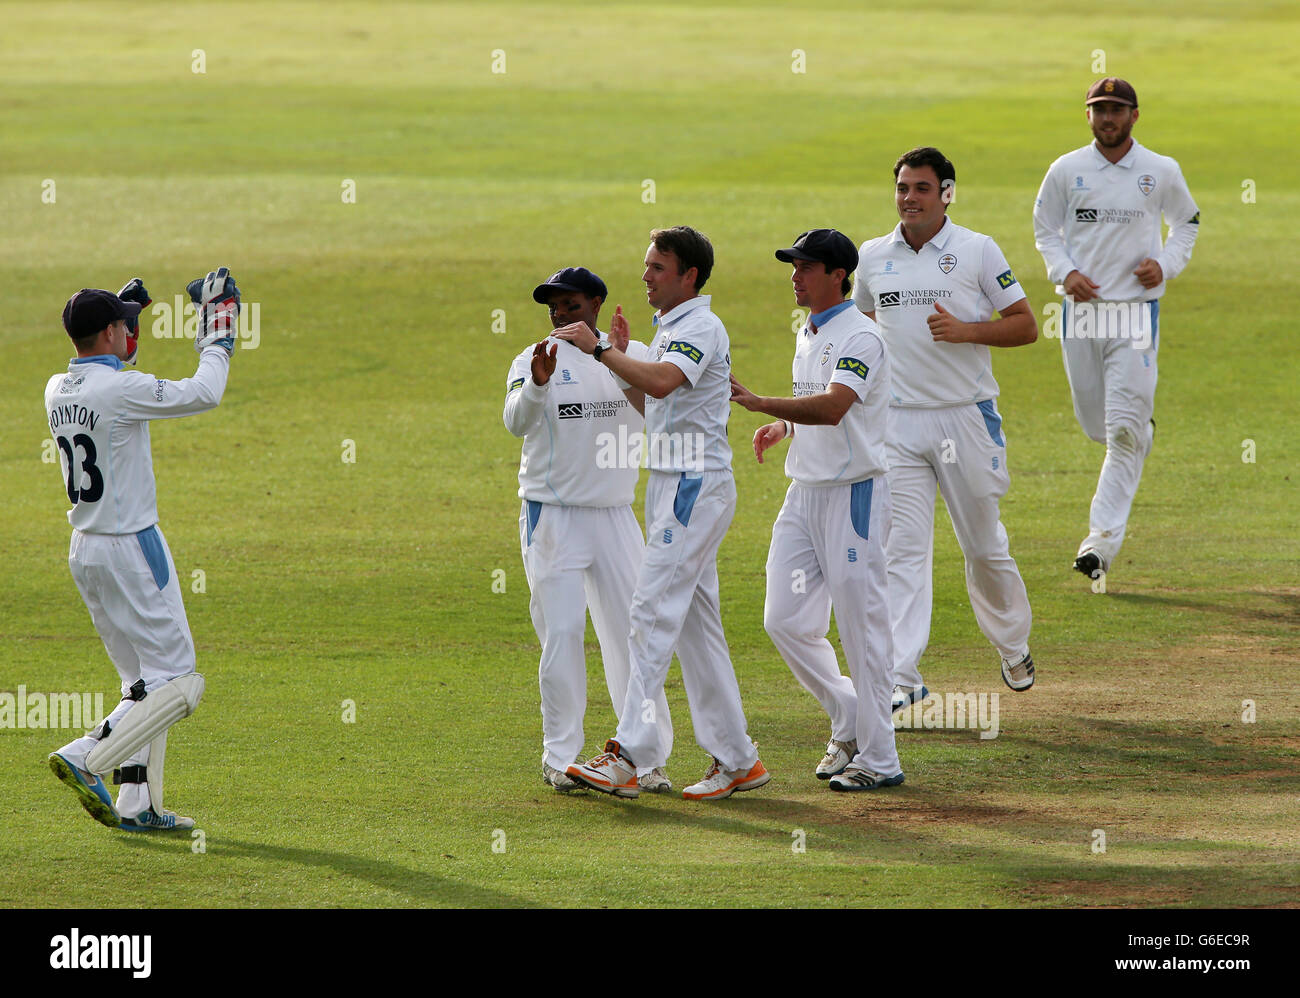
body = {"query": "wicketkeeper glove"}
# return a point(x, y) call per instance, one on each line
point(134, 291)
point(217, 299)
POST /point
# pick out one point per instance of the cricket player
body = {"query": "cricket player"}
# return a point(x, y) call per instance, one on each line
point(1097, 226)
point(829, 540)
point(690, 500)
point(933, 286)
point(99, 416)
point(580, 540)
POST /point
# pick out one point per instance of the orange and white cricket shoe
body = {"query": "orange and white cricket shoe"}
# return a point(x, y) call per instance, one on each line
point(719, 783)
point(608, 772)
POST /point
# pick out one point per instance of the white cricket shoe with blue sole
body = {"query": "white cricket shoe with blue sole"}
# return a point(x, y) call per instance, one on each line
point(152, 821)
point(89, 788)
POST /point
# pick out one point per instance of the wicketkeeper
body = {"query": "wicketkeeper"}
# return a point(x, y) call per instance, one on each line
point(99, 416)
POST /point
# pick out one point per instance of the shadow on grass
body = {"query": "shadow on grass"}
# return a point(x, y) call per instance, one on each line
point(1251, 606)
point(1098, 748)
point(420, 886)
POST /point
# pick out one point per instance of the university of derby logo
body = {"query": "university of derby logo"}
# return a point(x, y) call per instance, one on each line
point(1146, 184)
point(887, 298)
point(826, 354)
point(571, 410)
point(947, 262)
point(1085, 214)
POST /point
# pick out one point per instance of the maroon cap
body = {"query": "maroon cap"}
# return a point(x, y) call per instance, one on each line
point(1112, 88)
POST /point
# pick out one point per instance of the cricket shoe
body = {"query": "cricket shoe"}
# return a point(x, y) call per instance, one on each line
point(1018, 675)
point(561, 781)
point(1090, 563)
point(838, 755)
point(608, 772)
point(152, 821)
point(857, 778)
point(655, 782)
point(719, 783)
point(90, 790)
point(905, 696)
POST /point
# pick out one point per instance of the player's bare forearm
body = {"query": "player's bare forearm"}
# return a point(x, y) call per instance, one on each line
point(824, 409)
point(1015, 327)
point(637, 399)
point(656, 379)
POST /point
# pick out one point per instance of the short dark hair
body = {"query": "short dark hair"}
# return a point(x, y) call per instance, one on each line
point(692, 249)
point(86, 343)
point(931, 157)
point(845, 285)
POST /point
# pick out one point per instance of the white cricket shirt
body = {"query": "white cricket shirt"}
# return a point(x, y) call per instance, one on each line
point(99, 417)
point(846, 349)
point(687, 431)
point(1103, 219)
point(968, 275)
point(582, 437)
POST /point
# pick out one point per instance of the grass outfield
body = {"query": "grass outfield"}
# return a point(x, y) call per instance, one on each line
point(372, 582)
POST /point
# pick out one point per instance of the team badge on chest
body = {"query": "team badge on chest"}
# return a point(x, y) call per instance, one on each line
point(1146, 184)
point(947, 262)
point(826, 354)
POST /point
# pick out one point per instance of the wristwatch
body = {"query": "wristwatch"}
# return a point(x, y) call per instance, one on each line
point(598, 350)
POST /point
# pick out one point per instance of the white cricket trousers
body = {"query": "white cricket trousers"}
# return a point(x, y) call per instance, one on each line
point(961, 451)
point(828, 550)
point(575, 558)
point(676, 606)
point(1113, 384)
point(129, 585)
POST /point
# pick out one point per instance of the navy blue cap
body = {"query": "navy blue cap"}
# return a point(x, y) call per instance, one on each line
point(828, 246)
point(93, 309)
point(578, 279)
